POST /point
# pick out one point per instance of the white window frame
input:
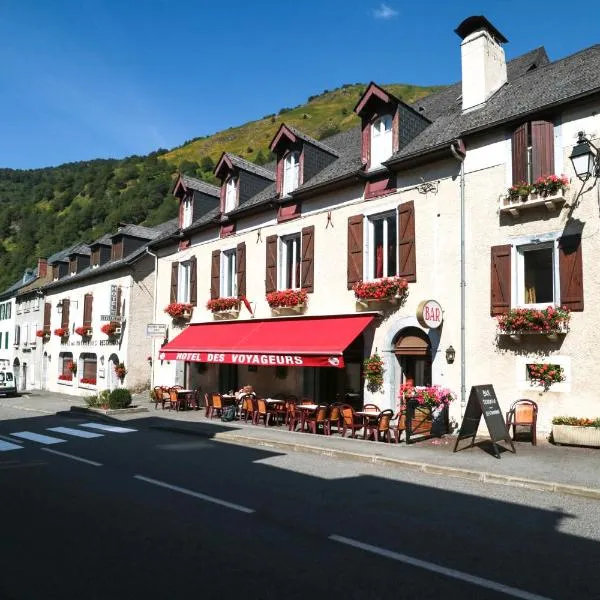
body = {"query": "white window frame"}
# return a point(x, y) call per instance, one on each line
point(184, 282)
point(231, 194)
point(291, 172)
point(524, 244)
point(369, 244)
point(382, 141)
point(228, 274)
point(188, 206)
point(522, 374)
point(282, 262)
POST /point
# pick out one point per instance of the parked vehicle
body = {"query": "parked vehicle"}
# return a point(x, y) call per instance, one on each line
point(8, 385)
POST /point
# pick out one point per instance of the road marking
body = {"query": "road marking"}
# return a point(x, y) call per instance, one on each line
point(176, 488)
point(111, 428)
point(75, 432)
point(8, 439)
point(72, 456)
point(5, 446)
point(37, 437)
point(428, 566)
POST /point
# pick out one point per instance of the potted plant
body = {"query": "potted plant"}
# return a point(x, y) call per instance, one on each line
point(549, 321)
point(61, 332)
point(388, 288)
point(545, 374)
point(83, 331)
point(42, 333)
point(179, 310)
point(120, 371)
point(72, 367)
point(549, 185)
point(373, 372)
point(576, 431)
point(519, 192)
point(218, 305)
point(110, 329)
point(427, 405)
point(88, 380)
point(65, 377)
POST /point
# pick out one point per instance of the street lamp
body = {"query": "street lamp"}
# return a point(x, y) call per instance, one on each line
point(584, 157)
point(450, 354)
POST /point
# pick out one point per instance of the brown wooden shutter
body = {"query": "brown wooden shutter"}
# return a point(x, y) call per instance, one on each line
point(47, 316)
point(279, 178)
point(500, 279)
point(307, 267)
point(64, 315)
point(119, 291)
point(193, 281)
point(570, 266)
point(88, 301)
point(366, 142)
point(271, 273)
point(542, 142)
point(215, 274)
point(355, 250)
point(407, 252)
point(241, 269)
point(174, 281)
point(519, 154)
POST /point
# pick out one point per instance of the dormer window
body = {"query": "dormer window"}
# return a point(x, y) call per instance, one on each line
point(291, 172)
point(381, 140)
point(187, 215)
point(231, 194)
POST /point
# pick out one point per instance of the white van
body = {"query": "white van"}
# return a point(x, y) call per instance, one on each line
point(8, 384)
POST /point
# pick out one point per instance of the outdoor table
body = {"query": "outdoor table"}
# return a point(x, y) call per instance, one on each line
point(188, 397)
point(305, 409)
point(274, 401)
point(228, 399)
point(367, 415)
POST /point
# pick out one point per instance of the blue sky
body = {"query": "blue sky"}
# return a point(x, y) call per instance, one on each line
point(109, 78)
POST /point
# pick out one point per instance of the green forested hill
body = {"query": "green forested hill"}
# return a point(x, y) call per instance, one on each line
point(45, 210)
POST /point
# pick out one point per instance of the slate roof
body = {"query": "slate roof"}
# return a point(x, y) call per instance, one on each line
point(82, 249)
point(138, 231)
point(200, 186)
point(246, 165)
point(312, 141)
point(105, 240)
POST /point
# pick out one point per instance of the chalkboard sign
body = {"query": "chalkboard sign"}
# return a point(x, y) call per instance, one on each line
point(483, 401)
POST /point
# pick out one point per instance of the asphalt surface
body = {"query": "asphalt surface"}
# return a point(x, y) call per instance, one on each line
point(157, 514)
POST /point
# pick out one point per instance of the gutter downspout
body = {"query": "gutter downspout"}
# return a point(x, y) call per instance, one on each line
point(153, 313)
point(459, 154)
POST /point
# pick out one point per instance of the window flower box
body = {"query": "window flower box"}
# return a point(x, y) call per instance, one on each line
point(576, 432)
point(83, 331)
point(179, 311)
point(63, 377)
point(284, 301)
point(61, 332)
point(388, 289)
point(548, 191)
point(111, 329)
point(88, 380)
point(550, 322)
point(41, 333)
point(224, 307)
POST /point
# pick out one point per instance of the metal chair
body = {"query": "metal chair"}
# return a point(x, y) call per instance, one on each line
point(523, 413)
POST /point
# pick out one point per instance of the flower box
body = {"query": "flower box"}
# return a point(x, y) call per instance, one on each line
point(224, 305)
point(548, 191)
point(574, 435)
point(179, 311)
point(285, 301)
point(61, 332)
point(388, 289)
point(88, 380)
point(83, 331)
point(63, 377)
point(111, 329)
point(550, 322)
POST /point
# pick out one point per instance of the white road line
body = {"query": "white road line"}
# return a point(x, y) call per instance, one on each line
point(37, 437)
point(111, 428)
point(76, 432)
point(423, 564)
point(198, 495)
point(5, 446)
point(8, 439)
point(72, 456)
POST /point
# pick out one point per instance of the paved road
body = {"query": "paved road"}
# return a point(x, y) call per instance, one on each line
point(133, 512)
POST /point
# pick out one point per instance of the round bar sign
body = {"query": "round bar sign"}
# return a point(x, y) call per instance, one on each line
point(430, 314)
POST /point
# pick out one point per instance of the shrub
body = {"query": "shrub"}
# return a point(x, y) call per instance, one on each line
point(119, 398)
point(576, 421)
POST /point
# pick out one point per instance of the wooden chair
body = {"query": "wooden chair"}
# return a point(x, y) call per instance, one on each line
point(207, 405)
point(307, 401)
point(350, 420)
point(263, 411)
point(372, 407)
point(176, 401)
point(247, 407)
point(335, 418)
point(280, 410)
point(319, 417)
point(160, 396)
point(292, 415)
point(216, 405)
point(381, 427)
point(399, 426)
point(523, 413)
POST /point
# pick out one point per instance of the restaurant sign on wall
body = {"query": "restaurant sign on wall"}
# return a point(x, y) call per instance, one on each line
point(265, 360)
point(430, 314)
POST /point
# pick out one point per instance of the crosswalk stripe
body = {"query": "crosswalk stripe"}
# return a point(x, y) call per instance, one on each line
point(37, 437)
point(75, 432)
point(111, 428)
point(5, 446)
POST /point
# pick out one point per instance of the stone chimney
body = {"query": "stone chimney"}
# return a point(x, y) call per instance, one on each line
point(42, 269)
point(482, 60)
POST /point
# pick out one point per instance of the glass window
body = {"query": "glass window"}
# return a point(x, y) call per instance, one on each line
point(291, 172)
point(289, 262)
point(381, 140)
point(88, 368)
point(231, 194)
point(183, 285)
point(188, 206)
point(228, 274)
point(65, 362)
point(382, 242)
point(537, 282)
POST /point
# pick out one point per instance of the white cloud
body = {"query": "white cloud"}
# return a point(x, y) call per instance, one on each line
point(385, 12)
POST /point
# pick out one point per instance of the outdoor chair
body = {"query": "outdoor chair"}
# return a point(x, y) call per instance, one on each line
point(263, 411)
point(216, 405)
point(293, 415)
point(335, 418)
point(372, 407)
point(399, 426)
point(176, 401)
point(247, 407)
point(319, 417)
point(523, 413)
point(381, 428)
point(207, 405)
point(160, 396)
point(350, 421)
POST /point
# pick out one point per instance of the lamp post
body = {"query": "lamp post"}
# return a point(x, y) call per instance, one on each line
point(585, 159)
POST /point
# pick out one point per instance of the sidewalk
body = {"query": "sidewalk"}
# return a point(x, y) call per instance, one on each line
point(547, 467)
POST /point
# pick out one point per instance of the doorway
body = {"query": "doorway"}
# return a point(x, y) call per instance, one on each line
point(24, 377)
point(413, 351)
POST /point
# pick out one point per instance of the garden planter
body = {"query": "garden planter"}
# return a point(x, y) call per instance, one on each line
point(574, 435)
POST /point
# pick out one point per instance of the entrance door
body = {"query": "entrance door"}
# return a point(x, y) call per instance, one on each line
point(413, 350)
point(24, 377)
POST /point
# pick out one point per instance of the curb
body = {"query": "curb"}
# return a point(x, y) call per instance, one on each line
point(430, 469)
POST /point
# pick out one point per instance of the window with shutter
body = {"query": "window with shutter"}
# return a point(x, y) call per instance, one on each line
point(381, 140)
point(88, 300)
point(174, 282)
point(184, 282)
point(64, 315)
point(355, 250)
point(291, 172)
point(241, 269)
point(500, 287)
point(271, 264)
point(228, 278)
point(89, 366)
point(47, 316)
point(381, 246)
point(231, 194)
point(407, 253)
point(193, 281)
point(119, 301)
point(215, 274)
point(571, 272)
point(289, 262)
point(307, 268)
point(532, 151)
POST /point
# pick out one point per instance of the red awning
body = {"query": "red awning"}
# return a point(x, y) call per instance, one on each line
point(292, 342)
